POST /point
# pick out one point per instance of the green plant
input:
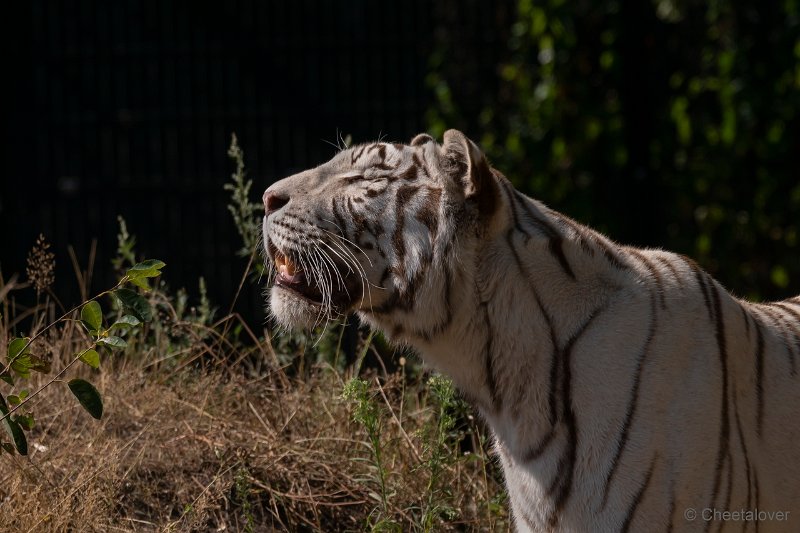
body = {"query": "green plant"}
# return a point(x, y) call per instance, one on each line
point(244, 212)
point(125, 247)
point(367, 412)
point(21, 360)
point(684, 112)
point(438, 450)
point(242, 497)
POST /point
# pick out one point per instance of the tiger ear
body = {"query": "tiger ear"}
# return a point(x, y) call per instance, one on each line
point(421, 139)
point(465, 164)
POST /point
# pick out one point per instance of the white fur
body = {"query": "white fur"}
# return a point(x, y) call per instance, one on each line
point(675, 431)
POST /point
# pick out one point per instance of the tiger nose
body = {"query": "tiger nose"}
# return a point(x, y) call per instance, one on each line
point(274, 201)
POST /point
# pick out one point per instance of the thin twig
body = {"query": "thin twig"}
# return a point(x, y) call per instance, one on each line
point(417, 456)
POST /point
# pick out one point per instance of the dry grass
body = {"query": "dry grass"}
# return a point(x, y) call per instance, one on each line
point(222, 450)
point(207, 428)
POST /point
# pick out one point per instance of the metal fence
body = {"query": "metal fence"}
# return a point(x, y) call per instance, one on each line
point(127, 107)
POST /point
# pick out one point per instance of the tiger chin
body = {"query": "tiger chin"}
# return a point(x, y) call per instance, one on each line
point(626, 389)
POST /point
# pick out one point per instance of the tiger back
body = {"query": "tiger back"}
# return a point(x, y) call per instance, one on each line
point(626, 389)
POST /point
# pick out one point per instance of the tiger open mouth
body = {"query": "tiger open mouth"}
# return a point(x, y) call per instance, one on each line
point(291, 276)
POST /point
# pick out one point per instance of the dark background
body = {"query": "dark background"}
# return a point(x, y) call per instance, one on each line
point(127, 108)
point(666, 124)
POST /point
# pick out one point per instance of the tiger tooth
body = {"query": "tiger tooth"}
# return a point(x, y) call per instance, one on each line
point(286, 267)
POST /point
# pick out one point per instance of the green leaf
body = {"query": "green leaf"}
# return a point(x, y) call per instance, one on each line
point(22, 366)
point(17, 346)
point(141, 283)
point(26, 422)
point(134, 304)
point(112, 341)
point(7, 378)
point(13, 429)
point(90, 357)
point(13, 400)
point(7, 446)
point(88, 397)
point(92, 315)
point(147, 266)
point(127, 321)
point(150, 268)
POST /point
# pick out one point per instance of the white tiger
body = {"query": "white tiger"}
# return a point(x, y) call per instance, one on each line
point(626, 389)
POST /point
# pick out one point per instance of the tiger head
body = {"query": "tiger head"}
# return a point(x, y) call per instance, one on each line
point(385, 230)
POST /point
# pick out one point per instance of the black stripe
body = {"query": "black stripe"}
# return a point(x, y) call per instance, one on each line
point(384, 277)
point(409, 174)
point(555, 238)
point(541, 223)
point(356, 153)
point(359, 221)
point(784, 332)
point(632, 403)
point(795, 328)
point(653, 272)
point(448, 319)
point(744, 451)
point(759, 376)
point(580, 232)
point(637, 499)
point(422, 166)
point(746, 318)
point(671, 524)
point(671, 268)
point(349, 180)
point(536, 451)
point(404, 195)
point(611, 253)
point(788, 309)
point(556, 355)
point(727, 503)
point(700, 275)
point(491, 383)
point(724, 429)
point(339, 219)
point(512, 205)
point(510, 242)
point(389, 305)
point(407, 296)
point(428, 214)
point(556, 247)
point(561, 487)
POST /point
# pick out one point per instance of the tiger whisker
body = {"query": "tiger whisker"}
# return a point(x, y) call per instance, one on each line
point(361, 272)
point(345, 239)
point(326, 257)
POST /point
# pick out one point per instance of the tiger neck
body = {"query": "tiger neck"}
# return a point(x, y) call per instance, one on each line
point(526, 290)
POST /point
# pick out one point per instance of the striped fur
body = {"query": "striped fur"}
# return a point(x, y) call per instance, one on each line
point(623, 386)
